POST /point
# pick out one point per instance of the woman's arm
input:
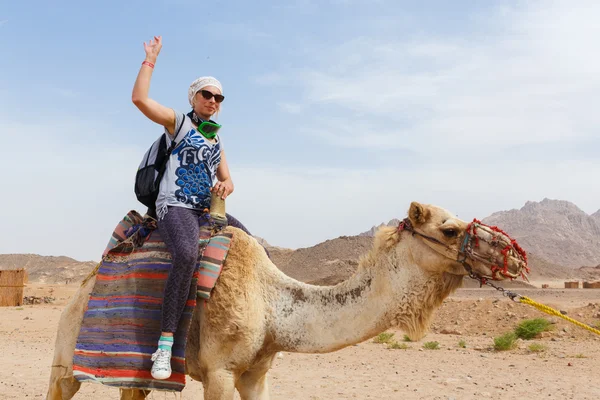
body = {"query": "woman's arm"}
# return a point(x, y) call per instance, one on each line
point(224, 187)
point(150, 108)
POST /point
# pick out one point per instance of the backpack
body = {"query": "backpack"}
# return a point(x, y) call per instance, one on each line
point(152, 169)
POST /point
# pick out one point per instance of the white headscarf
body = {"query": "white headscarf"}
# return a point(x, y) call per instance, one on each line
point(200, 84)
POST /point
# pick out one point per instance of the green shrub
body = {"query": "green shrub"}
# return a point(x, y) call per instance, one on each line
point(536, 348)
point(462, 344)
point(431, 345)
point(383, 337)
point(529, 328)
point(398, 346)
point(406, 338)
point(505, 342)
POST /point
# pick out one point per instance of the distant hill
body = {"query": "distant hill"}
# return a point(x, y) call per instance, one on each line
point(325, 263)
point(555, 230)
point(48, 269)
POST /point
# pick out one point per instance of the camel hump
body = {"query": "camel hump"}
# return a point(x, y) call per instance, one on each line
point(241, 278)
point(245, 255)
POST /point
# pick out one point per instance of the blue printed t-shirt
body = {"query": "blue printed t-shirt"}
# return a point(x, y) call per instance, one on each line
point(191, 169)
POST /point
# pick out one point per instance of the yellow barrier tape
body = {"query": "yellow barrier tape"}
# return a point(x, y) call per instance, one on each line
point(552, 311)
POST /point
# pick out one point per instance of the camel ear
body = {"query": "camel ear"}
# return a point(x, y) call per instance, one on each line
point(418, 214)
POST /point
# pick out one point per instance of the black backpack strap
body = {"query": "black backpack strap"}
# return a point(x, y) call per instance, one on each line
point(173, 144)
point(174, 141)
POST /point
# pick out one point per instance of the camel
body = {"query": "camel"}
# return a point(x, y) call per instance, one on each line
point(257, 311)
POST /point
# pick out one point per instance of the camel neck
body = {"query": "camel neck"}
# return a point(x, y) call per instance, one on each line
point(320, 319)
point(385, 291)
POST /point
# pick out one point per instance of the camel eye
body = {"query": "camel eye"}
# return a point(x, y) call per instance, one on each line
point(450, 233)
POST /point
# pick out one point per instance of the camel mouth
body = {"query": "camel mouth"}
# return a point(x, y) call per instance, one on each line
point(489, 252)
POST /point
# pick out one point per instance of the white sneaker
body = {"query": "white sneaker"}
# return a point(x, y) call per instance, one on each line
point(161, 369)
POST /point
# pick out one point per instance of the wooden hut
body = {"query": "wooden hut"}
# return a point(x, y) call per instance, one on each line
point(591, 285)
point(11, 287)
point(572, 285)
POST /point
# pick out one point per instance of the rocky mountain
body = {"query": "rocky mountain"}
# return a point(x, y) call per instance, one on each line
point(371, 232)
point(596, 216)
point(262, 241)
point(555, 230)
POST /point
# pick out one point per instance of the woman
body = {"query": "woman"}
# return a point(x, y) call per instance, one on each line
point(197, 166)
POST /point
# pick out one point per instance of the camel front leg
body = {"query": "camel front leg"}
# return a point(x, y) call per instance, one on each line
point(62, 387)
point(219, 385)
point(134, 394)
point(253, 386)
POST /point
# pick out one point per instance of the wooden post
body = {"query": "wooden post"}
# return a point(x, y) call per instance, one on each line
point(11, 287)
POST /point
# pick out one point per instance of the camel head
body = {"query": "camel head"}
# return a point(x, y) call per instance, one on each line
point(441, 242)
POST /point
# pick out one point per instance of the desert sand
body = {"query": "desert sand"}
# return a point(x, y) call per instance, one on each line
point(567, 368)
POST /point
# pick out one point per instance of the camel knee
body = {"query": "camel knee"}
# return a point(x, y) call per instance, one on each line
point(219, 385)
point(62, 388)
point(253, 386)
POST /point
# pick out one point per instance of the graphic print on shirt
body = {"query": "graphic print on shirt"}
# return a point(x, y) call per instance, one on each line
point(198, 161)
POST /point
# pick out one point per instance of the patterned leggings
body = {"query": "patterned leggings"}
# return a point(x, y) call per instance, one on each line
point(179, 230)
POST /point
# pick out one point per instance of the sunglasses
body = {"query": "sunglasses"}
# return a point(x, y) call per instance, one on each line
point(209, 129)
point(209, 95)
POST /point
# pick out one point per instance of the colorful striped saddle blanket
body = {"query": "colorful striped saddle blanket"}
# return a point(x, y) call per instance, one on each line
point(121, 325)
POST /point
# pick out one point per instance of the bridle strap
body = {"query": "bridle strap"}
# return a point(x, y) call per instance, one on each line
point(440, 247)
point(432, 242)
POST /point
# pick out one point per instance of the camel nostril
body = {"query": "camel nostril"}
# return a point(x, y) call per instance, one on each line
point(450, 233)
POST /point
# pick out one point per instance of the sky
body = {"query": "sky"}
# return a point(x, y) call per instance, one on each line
point(338, 113)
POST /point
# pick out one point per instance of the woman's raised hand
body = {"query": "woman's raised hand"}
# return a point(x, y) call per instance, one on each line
point(152, 48)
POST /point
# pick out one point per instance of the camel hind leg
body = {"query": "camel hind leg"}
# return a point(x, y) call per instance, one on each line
point(63, 385)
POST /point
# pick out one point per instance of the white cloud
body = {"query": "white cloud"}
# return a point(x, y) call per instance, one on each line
point(291, 108)
point(530, 78)
point(348, 133)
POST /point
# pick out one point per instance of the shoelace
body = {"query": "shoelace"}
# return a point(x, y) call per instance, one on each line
point(163, 357)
